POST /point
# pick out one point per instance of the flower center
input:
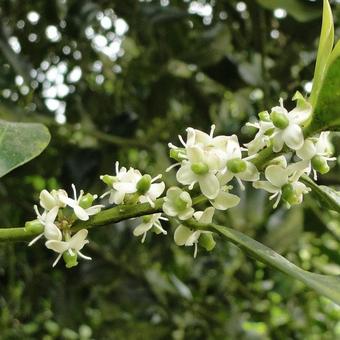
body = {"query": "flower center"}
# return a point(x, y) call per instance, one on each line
point(289, 194)
point(200, 168)
point(180, 204)
point(279, 119)
point(236, 165)
point(143, 185)
point(319, 163)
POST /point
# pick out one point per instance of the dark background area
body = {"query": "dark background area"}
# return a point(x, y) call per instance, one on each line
point(118, 80)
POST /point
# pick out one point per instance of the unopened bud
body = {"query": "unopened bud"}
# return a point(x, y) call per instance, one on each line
point(200, 168)
point(236, 165)
point(264, 116)
point(207, 241)
point(109, 180)
point(279, 119)
point(178, 154)
point(319, 163)
point(143, 185)
point(70, 260)
point(34, 226)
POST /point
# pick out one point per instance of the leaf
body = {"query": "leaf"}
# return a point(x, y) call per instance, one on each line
point(325, 48)
point(298, 10)
point(327, 197)
point(326, 114)
point(19, 143)
point(326, 285)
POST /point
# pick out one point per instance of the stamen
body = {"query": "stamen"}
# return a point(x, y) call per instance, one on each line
point(57, 260)
point(172, 146)
point(172, 166)
point(36, 211)
point(163, 218)
point(281, 102)
point(84, 256)
point(273, 196)
point(105, 194)
point(212, 130)
point(250, 157)
point(35, 239)
point(117, 167)
point(150, 201)
point(191, 186)
point(195, 251)
point(242, 187)
point(74, 191)
point(156, 178)
point(315, 175)
point(144, 237)
point(181, 140)
point(277, 200)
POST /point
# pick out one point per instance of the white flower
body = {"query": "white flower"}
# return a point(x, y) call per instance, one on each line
point(315, 153)
point(148, 222)
point(261, 138)
point(288, 125)
point(282, 180)
point(152, 190)
point(178, 203)
point(82, 213)
point(241, 169)
point(73, 245)
point(49, 200)
point(197, 170)
point(185, 236)
point(47, 219)
point(212, 147)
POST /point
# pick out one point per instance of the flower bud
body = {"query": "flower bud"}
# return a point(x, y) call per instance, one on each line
point(143, 185)
point(109, 180)
point(70, 260)
point(264, 116)
point(207, 241)
point(279, 119)
point(87, 200)
point(236, 165)
point(34, 226)
point(177, 154)
point(200, 168)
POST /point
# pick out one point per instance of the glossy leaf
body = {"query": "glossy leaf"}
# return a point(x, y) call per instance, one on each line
point(326, 285)
point(19, 143)
point(327, 197)
point(325, 48)
point(298, 10)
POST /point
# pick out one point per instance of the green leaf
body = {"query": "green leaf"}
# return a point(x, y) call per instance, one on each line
point(327, 197)
point(19, 143)
point(326, 285)
point(326, 114)
point(298, 10)
point(325, 48)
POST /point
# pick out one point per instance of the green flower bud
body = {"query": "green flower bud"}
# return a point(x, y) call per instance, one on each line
point(143, 185)
point(319, 163)
point(109, 180)
point(289, 194)
point(264, 116)
point(87, 200)
point(177, 154)
point(207, 242)
point(279, 119)
point(34, 226)
point(70, 260)
point(180, 204)
point(200, 168)
point(236, 165)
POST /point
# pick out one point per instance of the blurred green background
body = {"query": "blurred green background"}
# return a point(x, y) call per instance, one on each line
point(118, 80)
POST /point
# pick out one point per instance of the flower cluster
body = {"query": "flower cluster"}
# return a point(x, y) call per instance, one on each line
point(210, 164)
point(57, 218)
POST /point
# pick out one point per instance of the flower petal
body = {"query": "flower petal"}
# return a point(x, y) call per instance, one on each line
point(307, 151)
point(186, 214)
point(293, 136)
point(57, 246)
point(142, 228)
point(195, 154)
point(276, 175)
point(185, 175)
point(78, 240)
point(209, 185)
point(278, 142)
point(181, 235)
point(207, 215)
point(80, 213)
point(225, 200)
point(250, 174)
point(267, 186)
